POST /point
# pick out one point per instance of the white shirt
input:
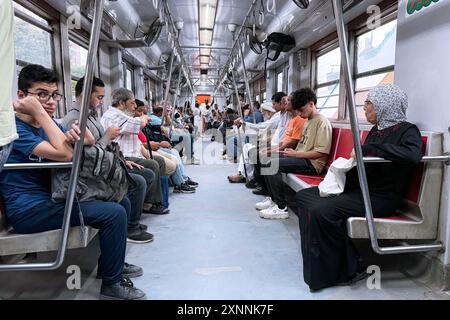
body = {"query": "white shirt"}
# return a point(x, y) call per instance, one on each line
point(280, 132)
point(128, 140)
point(8, 131)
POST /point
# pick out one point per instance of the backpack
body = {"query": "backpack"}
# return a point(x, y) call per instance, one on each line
point(278, 42)
point(103, 176)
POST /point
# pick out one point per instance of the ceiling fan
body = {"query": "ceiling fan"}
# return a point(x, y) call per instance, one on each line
point(150, 36)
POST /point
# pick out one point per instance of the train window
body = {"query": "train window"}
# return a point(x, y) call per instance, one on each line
point(264, 97)
point(375, 60)
point(78, 60)
point(28, 25)
point(280, 81)
point(128, 76)
point(328, 66)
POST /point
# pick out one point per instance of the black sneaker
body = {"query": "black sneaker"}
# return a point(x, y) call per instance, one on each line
point(157, 209)
point(356, 278)
point(143, 227)
point(183, 188)
point(261, 192)
point(139, 236)
point(121, 290)
point(251, 184)
point(191, 183)
point(132, 271)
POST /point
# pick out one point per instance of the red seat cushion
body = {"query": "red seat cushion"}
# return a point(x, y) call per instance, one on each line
point(311, 180)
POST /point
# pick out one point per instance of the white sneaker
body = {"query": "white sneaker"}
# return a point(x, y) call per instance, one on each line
point(266, 203)
point(274, 213)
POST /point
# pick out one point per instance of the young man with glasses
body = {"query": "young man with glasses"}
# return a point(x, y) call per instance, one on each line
point(27, 193)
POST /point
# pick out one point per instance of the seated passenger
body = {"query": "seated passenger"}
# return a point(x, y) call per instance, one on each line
point(309, 157)
point(182, 183)
point(329, 256)
point(279, 104)
point(121, 115)
point(264, 132)
point(143, 177)
point(27, 193)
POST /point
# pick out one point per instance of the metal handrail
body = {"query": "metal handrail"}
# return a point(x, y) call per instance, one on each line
point(343, 44)
point(40, 165)
point(443, 158)
point(91, 60)
point(243, 123)
point(166, 95)
point(247, 84)
point(230, 57)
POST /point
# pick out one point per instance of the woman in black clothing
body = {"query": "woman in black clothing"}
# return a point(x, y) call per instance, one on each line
point(329, 256)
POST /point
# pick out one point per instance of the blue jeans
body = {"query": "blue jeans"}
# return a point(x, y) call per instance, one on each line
point(4, 154)
point(109, 217)
point(165, 191)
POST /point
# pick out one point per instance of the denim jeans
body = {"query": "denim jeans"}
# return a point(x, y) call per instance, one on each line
point(109, 217)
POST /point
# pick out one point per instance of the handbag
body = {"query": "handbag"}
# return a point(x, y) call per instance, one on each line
point(334, 182)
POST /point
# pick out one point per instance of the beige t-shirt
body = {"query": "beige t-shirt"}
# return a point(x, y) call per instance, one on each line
point(8, 131)
point(316, 136)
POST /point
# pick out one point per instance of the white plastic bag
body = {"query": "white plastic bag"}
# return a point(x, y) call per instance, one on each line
point(334, 181)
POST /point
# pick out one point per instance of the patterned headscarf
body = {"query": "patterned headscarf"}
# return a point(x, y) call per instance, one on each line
point(390, 103)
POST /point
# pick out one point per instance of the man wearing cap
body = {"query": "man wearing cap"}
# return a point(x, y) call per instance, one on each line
point(263, 130)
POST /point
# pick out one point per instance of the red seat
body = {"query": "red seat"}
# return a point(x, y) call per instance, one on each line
point(342, 147)
point(335, 137)
point(345, 144)
point(311, 180)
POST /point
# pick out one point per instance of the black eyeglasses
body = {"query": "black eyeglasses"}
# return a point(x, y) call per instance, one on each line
point(45, 96)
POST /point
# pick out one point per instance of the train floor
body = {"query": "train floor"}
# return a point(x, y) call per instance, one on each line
point(213, 245)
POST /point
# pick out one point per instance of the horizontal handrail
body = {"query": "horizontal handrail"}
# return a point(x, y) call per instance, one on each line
point(443, 158)
point(40, 165)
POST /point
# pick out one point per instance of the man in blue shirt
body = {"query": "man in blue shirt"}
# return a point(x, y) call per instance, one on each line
point(27, 193)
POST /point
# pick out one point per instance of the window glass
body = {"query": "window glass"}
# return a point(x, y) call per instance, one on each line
point(129, 79)
point(328, 100)
point(280, 82)
point(376, 48)
point(32, 44)
point(264, 97)
point(328, 66)
point(78, 60)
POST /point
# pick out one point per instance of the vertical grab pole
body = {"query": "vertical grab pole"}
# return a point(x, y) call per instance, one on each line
point(247, 83)
point(243, 123)
point(343, 44)
point(175, 101)
point(166, 95)
point(84, 112)
point(93, 45)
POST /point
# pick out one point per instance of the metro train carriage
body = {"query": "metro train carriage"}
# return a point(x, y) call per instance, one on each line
point(228, 150)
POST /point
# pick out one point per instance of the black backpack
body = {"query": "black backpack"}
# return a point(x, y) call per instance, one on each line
point(278, 42)
point(103, 176)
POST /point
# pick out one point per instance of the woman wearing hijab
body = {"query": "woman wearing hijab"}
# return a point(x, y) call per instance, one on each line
point(329, 256)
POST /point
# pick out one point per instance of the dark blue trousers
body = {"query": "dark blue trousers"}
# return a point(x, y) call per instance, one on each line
point(109, 217)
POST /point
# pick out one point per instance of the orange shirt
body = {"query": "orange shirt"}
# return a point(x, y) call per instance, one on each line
point(294, 129)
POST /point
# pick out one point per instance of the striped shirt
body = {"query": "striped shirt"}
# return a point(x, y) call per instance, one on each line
point(128, 140)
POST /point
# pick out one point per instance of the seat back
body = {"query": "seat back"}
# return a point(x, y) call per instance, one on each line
point(334, 143)
point(345, 144)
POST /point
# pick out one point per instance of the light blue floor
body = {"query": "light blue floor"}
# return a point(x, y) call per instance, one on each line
point(213, 245)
